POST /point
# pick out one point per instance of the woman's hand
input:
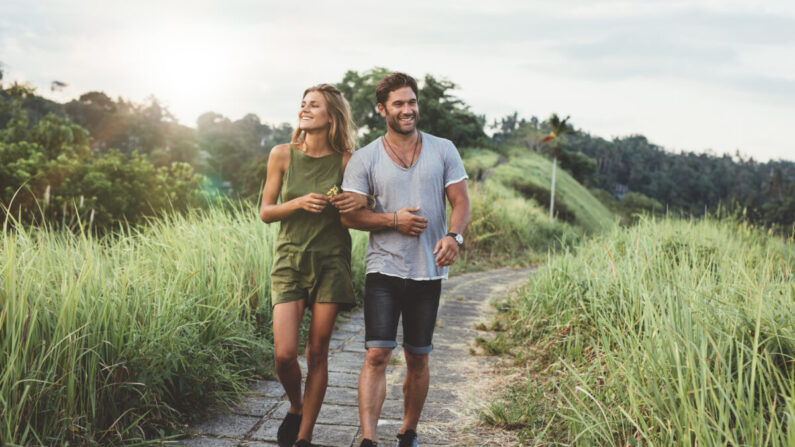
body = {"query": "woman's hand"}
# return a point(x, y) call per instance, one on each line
point(312, 202)
point(349, 201)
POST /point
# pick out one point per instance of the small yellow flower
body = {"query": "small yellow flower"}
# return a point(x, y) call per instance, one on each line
point(333, 191)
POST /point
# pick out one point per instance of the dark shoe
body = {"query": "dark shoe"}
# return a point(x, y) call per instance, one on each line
point(408, 439)
point(302, 443)
point(367, 443)
point(288, 431)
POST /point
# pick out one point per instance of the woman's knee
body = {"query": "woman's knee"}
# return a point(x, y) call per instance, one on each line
point(316, 354)
point(285, 357)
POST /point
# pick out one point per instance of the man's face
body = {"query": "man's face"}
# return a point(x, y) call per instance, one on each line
point(401, 110)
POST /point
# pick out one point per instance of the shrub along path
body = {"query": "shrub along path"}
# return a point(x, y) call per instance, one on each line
point(447, 410)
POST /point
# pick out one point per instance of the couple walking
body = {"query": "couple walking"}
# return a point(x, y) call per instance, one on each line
point(395, 188)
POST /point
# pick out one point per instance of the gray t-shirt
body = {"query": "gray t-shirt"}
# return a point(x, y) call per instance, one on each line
point(371, 171)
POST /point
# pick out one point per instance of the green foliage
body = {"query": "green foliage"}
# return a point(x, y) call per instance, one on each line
point(129, 188)
point(579, 165)
point(635, 202)
point(359, 90)
point(107, 341)
point(558, 129)
point(631, 207)
point(665, 333)
point(441, 113)
point(445, 115)
point(690, 182)
point(682, 182)
point(238, 147)
point(128, 127)
point(49, 171)
point(35, 160)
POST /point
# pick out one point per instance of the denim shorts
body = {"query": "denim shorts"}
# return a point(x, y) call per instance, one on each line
point(386, 298)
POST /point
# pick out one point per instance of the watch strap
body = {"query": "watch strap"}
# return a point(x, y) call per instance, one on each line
point(455, 236)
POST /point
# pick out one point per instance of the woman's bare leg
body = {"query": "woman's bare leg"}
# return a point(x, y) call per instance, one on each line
point(320, 329)
point(286, 321)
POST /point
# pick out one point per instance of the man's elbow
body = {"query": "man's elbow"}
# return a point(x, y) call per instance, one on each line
point(355, 220)
point(346, 221)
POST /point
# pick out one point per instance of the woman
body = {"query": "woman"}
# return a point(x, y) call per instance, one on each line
point(312, 265)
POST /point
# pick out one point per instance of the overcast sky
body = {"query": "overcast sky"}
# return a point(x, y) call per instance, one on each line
point(694, 75)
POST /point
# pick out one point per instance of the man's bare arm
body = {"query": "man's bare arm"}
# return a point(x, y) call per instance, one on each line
point(458, 196)
point(404, 221)
point(446, 249)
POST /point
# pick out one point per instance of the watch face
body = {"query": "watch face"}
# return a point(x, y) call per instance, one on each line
point(459, 239)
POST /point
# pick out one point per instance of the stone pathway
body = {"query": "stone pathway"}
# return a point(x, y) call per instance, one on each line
point(254, 422)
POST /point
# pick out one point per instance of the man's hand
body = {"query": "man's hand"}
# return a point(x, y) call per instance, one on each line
point(409, 223)
point(349, 201)
point(446, 251)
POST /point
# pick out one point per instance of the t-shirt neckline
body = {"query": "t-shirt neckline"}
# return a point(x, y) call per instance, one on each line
point(416, 162)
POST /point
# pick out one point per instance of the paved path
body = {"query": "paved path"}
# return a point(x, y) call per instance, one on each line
point(255, 421)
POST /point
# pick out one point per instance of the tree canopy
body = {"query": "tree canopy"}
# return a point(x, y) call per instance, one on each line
point(441, 113)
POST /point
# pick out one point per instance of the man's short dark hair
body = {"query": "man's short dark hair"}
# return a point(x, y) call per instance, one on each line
point(393, 82)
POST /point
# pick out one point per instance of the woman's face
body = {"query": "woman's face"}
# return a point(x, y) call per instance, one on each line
point(313, 114)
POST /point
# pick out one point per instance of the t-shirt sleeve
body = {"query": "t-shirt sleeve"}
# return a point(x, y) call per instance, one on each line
point(454, 170)
point(357, 178)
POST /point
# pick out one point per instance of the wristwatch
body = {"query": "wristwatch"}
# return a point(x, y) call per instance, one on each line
point(458, 238)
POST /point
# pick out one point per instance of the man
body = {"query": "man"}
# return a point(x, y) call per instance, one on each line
point(409, 173)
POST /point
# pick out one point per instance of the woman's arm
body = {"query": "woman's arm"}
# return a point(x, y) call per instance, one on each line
point(270, 211)
point(348, 201)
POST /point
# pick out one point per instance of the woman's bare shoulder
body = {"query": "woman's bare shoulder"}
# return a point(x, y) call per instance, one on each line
point(279, 156)
point(281, 150)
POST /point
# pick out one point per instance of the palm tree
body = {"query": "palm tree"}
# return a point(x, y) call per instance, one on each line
point(557, 128)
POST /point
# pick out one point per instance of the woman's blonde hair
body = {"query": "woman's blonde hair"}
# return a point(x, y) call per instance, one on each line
point(342, 131)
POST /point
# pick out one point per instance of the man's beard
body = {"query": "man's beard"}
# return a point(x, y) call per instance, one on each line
point(394, 125)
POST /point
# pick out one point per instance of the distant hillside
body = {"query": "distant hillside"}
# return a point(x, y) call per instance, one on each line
point(530, 174)
point(688, 182)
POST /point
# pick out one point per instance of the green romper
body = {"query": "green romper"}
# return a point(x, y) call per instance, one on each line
point(313, 251)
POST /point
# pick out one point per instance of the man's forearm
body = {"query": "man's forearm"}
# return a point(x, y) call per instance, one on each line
point(459, 217)
point(367, 220)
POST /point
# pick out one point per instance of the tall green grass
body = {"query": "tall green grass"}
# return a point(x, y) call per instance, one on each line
point(667, 333)
point(111, 340)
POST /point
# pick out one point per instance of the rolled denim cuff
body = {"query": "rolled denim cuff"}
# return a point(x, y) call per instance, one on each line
point(418, 350)
point(391, 344)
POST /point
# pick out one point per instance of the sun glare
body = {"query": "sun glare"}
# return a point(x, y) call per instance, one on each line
point(184, 67)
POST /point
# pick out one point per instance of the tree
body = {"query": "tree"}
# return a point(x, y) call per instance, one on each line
point(35, 159)
point(555, 141)
point(579, 165)
point(49, 171)
point(237, 151)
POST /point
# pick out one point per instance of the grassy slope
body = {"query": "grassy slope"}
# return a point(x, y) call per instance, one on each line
point(509, 225)
point(667, 333)
point(531, 174)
